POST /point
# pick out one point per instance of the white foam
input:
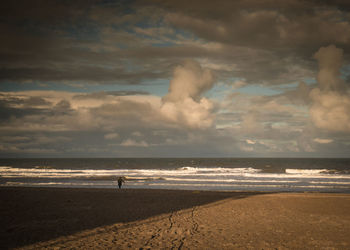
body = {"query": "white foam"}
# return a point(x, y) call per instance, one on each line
point(230, 180)
point(67, 173)
point(186, 176)
point(331, 182)
point(219, 170)
point(9, 172)
point(306, 171)
point(58, 184)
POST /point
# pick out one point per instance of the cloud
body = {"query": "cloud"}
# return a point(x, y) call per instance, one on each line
point(96, 43)
point(105, 94)
point(134, 143)
point(300, 95)
point(189, 113)
point(250, 123)
point(263, 24)
point(136, 134)
point(147, 44)
point(250, 141)
point(190, 80)
point(330, 60)
point(330, 109)
point(323, 141)
point(136, 126)
point(111, 136)
point(239, 84)
point(184, 104)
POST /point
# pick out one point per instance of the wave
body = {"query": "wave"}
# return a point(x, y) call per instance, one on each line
point(230, 180)
point(43, 167)
point(55, 184)
point(214, 178)
point(306, 171)
point(219, 170)
point(9, 172)
point(48, 172)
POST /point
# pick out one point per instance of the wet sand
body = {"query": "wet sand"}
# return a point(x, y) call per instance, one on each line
point(34, 218)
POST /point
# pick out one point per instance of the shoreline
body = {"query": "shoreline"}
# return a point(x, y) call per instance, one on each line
point(37, 217)
point(125, 187)
point(194, 191)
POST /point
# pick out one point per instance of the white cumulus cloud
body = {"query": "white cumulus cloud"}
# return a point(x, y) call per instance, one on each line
point(330, 109)
point(184, 104)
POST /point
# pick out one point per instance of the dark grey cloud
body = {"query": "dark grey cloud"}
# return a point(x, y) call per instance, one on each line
point(278, 34)
point(15, 107)
point(49, 41)
point(265, 24)
point(86, 74)
point(92, 41)
point(7, 112)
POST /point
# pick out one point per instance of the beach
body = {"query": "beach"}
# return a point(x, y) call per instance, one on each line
point(37, 218)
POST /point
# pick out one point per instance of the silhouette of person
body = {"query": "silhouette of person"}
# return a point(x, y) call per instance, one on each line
point(120, 181)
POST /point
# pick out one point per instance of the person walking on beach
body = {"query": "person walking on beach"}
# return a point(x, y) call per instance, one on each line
point(120, 181)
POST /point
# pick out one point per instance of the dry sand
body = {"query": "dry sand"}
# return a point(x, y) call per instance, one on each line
point(34, 218)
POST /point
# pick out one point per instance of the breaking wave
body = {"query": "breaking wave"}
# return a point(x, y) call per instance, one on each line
point(187, 177)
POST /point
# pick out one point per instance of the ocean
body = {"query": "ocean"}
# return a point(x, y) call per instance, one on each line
point(224, 174)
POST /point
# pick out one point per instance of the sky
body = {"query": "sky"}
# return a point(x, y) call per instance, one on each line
point(163, 78)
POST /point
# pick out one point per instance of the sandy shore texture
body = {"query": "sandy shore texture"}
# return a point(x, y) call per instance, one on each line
point(38, 218)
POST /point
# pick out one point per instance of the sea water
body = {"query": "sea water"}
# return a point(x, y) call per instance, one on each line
point(225, 174)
